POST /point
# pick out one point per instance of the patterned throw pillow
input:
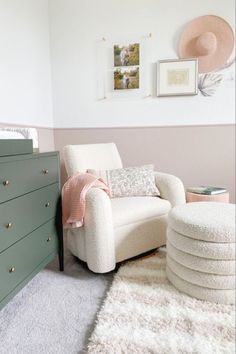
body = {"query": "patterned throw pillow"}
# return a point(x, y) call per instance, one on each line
point(129, 182)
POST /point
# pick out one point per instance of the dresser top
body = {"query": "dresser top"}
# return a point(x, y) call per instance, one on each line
point(35, 155)
point(10, 147)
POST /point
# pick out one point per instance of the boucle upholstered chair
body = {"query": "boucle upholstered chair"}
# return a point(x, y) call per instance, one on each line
point(120, 228)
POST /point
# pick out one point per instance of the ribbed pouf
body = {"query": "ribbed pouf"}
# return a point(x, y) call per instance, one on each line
point(201, 250)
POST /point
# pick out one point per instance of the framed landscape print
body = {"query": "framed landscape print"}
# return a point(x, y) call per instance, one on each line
point(177, 77)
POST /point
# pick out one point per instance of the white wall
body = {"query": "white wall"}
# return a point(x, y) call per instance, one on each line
point(76, 25)
point(25, 75)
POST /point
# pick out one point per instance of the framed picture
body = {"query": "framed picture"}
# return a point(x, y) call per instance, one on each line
point(122, 68)
point(177, 77)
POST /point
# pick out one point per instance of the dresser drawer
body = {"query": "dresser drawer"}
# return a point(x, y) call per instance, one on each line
point(22, 215)
point(25, 175)
point(19, 260)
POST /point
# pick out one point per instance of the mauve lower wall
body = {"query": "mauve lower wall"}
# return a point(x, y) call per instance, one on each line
point(198, 155)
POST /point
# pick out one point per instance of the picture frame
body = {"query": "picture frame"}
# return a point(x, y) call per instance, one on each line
point(118, 80)
point(177, 77)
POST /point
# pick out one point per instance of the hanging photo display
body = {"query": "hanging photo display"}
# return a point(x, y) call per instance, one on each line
point(126, 66)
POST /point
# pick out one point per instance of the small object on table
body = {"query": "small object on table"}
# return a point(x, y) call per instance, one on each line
point(207, 194)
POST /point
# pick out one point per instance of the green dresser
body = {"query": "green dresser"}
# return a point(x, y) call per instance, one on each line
point(30, 218)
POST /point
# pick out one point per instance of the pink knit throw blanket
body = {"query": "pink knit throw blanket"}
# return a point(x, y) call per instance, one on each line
point(74, 197)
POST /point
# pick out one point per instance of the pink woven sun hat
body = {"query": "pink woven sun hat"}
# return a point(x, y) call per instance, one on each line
point(208, 38)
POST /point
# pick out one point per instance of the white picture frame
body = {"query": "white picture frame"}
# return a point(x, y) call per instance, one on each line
point(177, 77)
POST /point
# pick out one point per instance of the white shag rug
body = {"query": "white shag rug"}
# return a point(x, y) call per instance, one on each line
point(143, 313)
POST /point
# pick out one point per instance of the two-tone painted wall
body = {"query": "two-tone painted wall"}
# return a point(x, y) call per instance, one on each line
point(48, 80)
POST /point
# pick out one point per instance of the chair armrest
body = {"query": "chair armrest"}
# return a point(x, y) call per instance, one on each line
point(99, 232)
point(171, 188)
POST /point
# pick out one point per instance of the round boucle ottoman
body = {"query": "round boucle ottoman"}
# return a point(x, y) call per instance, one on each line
point(201, 250)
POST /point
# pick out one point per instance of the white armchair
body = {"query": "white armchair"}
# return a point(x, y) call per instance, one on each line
point(120, 228)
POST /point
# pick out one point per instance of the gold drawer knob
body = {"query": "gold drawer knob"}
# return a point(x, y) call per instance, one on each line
point(6, 183)
point(9, 225)
point(12, 270)
point(45, 172)
point(47, 205)
point(49, 239)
